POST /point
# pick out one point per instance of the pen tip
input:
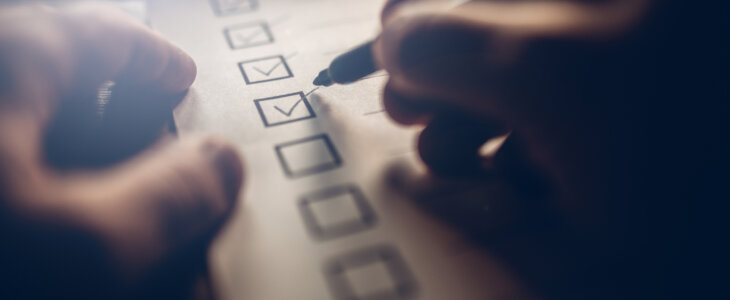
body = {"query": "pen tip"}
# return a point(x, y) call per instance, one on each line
point(323, 79)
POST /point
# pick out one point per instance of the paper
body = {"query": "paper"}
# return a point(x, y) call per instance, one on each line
point(316, 219)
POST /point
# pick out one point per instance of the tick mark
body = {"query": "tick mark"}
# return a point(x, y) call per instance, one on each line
point(247, 39)
point(288, 114)
point(270, 70)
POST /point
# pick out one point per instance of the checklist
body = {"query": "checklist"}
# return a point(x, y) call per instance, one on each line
point(284, 109)
point(232, 7)
point(373, 273)
point(265, 69)
point(336, 212)
point(308, 156)
point(248, 35)
point(321, 214)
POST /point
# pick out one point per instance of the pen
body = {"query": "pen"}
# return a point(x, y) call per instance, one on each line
point(348, 67)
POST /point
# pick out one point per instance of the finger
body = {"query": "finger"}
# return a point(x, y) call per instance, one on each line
point(514, 163)
point(450, 144)
point(158, 203)
point(117, 47)
point(65, 54)
point(403, 110)
point(429, 57)
point(53, 53)
point(479, 54)
point(130, 120)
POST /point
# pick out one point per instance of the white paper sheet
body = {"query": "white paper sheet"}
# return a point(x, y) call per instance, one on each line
point(322, 225)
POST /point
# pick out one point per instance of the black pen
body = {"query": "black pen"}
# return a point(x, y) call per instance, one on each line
point(349, 67)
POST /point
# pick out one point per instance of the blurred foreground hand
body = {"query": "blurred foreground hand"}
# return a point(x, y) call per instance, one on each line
point(618, 118)
point(76, 226)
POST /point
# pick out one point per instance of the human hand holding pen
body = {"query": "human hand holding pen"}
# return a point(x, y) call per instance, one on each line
point(481, 69)
point(582, 87)
point(514, 66)
point(97, 230)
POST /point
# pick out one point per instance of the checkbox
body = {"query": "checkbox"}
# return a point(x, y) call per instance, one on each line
point(232, 7)
point(248, 35)
point(370, 274)
point(284, 109)
point(308, 156)
point(335, 212)
point(265, 69)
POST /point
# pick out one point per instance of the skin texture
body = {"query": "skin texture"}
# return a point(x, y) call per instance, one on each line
point(606, 154)
point(97, 225)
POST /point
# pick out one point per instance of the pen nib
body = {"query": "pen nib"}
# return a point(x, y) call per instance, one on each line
point(323, 79)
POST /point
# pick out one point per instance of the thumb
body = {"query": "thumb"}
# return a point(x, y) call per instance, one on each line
point(165, 199)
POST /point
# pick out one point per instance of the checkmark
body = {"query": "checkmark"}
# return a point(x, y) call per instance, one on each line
point(248, 35)
point(267, 73)
point(284, 109)
point(247, 39)
point(288, 113)
point(265, 69)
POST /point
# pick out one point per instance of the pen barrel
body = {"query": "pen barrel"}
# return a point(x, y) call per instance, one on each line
point(353, 65)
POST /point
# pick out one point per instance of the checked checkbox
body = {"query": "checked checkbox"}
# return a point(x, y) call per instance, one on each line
point(232, 7)
point(375, 273)
point(308, 156)
point(336, 212)
point(248, 35)
point(284, 109)
point(265, 69)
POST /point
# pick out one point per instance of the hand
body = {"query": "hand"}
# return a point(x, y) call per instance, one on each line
point(585, 90)
point(75, 220)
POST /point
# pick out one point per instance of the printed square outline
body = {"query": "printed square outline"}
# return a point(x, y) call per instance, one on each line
point(312, 170)
point(335, 271)
point(280, 57)
point(366, 221)
point(303, 98)
point(218, 10)
point(264, 27)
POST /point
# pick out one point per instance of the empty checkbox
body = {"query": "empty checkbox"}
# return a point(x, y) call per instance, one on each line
point(377, 273)
point(233, 7)
point(335, 212)
point(284, 109)
point(265, 69)
point(308, 156)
